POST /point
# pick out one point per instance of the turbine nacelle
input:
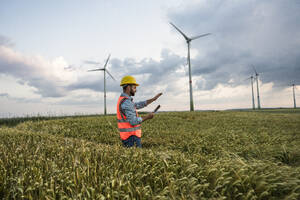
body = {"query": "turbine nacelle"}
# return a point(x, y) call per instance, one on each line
point(101, 69)
point(251, 77)
point(256, 74)
point(188, 39)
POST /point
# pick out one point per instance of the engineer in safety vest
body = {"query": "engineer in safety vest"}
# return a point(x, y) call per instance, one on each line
point(129, 123)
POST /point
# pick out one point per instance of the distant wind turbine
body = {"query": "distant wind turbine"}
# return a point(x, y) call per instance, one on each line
point(104, 71)
point(256, 77)
point(294, 96)
point(188, 41)
point(253, 104)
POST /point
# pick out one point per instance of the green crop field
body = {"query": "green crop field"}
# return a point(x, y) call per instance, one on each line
point(198, 155)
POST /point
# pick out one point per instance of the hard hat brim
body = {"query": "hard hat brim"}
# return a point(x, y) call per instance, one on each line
point(130, 84)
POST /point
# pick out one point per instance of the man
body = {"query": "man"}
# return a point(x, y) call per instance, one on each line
point(129, 123)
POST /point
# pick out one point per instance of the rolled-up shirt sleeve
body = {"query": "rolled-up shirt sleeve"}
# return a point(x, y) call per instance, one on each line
point(140, 104)
point(129, 110)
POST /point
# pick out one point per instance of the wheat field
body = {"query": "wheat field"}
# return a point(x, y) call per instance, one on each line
point(198, 155)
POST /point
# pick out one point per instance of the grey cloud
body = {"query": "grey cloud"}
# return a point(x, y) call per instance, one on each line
point(91, 62)
point(96, 85)
point(79, 101)
point(20, 99)
point(154, 73)
point(5, 41)
point(4, 95)
point(70, 68)
point(47, 88)
point(161, 71)
point(149, 73)
point(263, 33)
point(29, 71)
point(95, 81)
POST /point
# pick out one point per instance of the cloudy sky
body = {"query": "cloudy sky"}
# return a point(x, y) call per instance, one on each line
point(46, 48)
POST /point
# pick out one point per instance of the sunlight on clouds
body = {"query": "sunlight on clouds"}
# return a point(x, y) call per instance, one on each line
point(59, 70)
point(47, 77)
point(16, 88)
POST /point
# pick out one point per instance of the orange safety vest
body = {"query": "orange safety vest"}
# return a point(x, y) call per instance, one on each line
point(125, 128)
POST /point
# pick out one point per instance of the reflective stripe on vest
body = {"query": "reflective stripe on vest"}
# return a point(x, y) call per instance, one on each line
point(129, 129)
point(125, 128)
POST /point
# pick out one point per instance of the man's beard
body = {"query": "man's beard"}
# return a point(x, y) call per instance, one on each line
point(131, 93)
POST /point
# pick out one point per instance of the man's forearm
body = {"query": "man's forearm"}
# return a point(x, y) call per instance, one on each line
point(153, 99)
point(150, 100)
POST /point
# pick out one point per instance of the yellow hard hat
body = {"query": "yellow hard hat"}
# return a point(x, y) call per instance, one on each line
point(128, 80)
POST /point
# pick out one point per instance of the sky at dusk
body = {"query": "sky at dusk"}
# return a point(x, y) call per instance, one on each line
point(47, 47)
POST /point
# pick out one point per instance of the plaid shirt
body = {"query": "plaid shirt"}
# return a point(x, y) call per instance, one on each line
point(128, 108)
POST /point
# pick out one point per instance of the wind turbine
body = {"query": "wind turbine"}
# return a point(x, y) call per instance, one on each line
point(104, 72)
point(294, 96)
point(256, 77)
point(188, 41)
point(253, 104)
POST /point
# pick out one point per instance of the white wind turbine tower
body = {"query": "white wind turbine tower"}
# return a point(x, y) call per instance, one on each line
point(256, 77)
point(188, 41)
point(253, 104)
point(104, 72)
point(294, 96)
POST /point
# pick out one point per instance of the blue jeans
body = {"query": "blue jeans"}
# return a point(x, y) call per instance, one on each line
point(129, 142)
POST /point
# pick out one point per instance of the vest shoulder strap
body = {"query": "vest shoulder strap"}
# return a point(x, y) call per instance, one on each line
point(120, 107)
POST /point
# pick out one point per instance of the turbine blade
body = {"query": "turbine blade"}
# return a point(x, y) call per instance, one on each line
point(185, 37)
point(92, 70)
point(196, 37)
point(91, 62)
point(254, 70)
point(246, 79)
point(110, 75)
point(106, 61)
